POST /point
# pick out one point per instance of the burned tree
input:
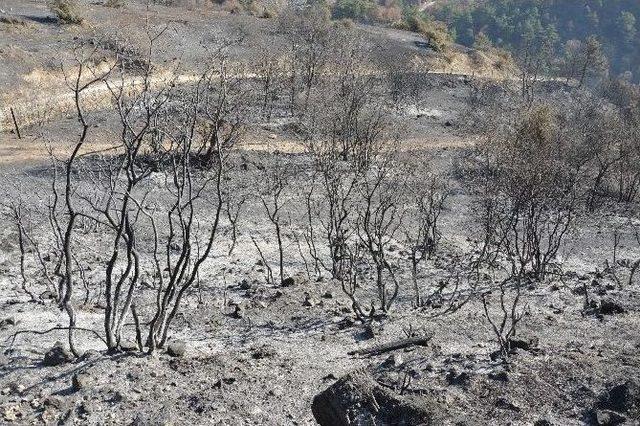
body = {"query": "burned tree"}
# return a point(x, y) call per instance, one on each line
point(421, 227)
point(529, 195)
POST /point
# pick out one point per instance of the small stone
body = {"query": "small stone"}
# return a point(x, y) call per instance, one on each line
point(276, 392)
point(458, 379)
point(80, 381)
point(17, 388)
point(527, 343)
point(288, 282)
point(224, 381)
point(177, 348)
point(57, 355)
point(505, 404)
point(499, 375)
point(309, 301)
point(394, 360)
point(7, 322)
point(55, 402)
point(48, 295)
point(238, 312)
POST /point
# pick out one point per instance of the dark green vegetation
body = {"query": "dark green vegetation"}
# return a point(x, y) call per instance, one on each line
point(513, 24)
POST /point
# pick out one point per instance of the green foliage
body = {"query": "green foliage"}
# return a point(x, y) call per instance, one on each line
point(67, 11)
point(512, 24)
point(434, 32)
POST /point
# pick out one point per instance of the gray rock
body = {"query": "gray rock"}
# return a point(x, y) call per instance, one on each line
point(393, 360)
point(245, 284)
point(295, 280)
point(238, 312)
point(309, 300)
point(57, 355)
point(177, 348)
point(499, 375)
point(525, 343)
point(358, 399)
point(80, 381)
point(505, 404)
point(7, 322)
point(55, 401)
point(288, 282)
point(48, 295)
point(162, 418)
point(458, 379)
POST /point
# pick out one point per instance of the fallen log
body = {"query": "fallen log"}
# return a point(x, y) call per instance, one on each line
point(392, 346)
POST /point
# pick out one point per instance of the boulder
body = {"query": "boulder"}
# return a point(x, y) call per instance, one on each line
point(358, 399)
point(57, 355)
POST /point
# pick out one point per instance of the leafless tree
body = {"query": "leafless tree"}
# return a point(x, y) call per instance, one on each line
point(421, 227)
point(163, 130)
point(504, 323)
point(530, 196)
point(583, 60)
point(307, 31)
point(379, 221)
point(273, 199)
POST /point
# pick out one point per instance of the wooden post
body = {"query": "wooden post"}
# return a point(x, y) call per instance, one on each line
point(15, 123)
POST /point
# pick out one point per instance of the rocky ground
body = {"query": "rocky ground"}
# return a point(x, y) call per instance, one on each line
point(248, 352)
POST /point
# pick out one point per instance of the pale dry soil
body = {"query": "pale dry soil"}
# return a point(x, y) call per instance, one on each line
point(266, 367)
